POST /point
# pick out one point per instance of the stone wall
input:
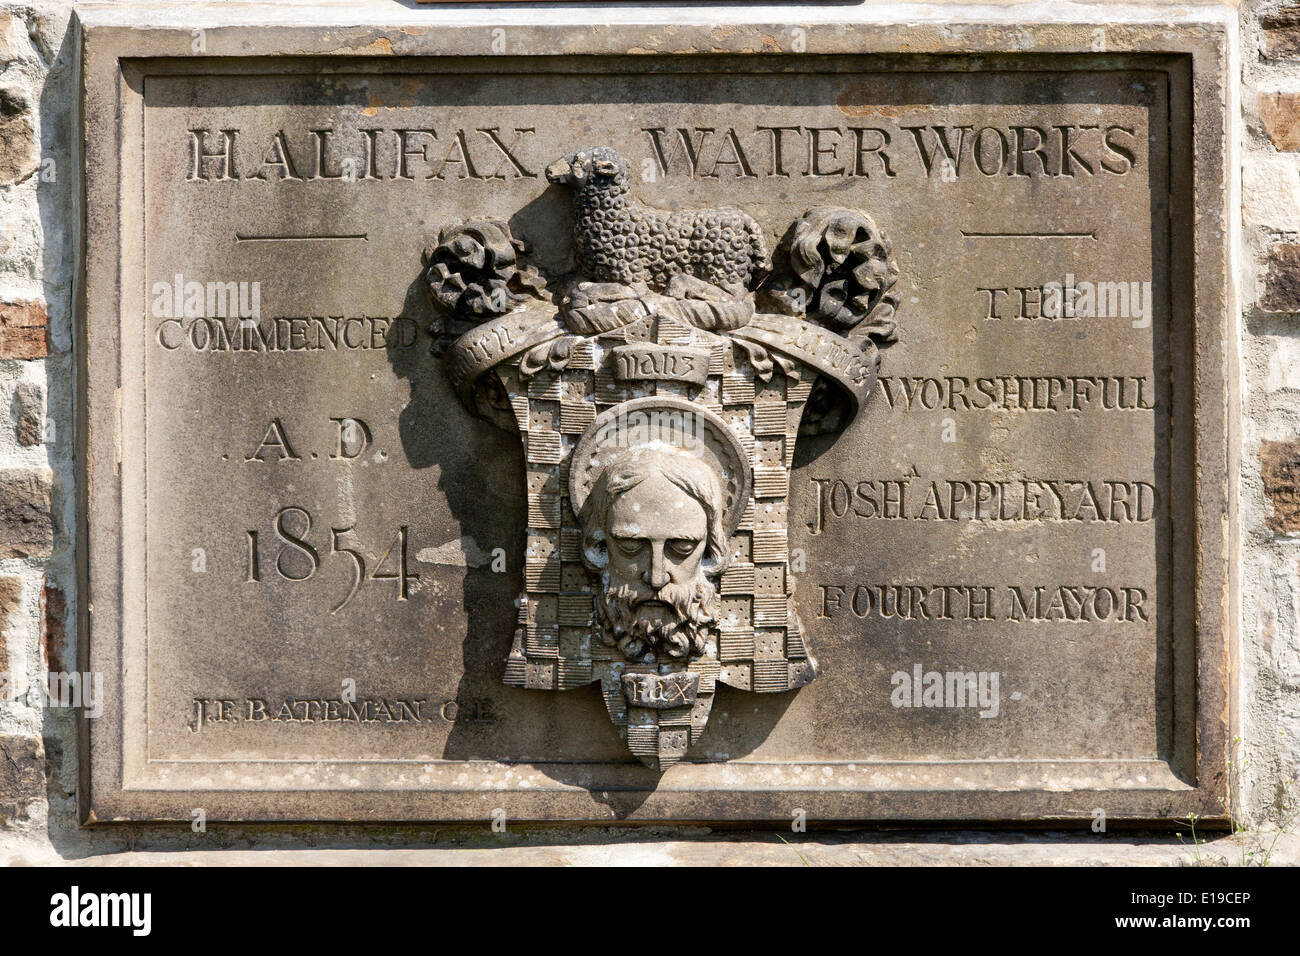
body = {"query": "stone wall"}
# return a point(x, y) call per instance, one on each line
point(38, 596)
point(37, 593)
point(1269, 682)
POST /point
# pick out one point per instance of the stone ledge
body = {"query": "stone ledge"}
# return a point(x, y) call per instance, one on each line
point(1017, 848)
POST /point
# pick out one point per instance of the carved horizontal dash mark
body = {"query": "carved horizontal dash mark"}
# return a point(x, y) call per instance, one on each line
point(239, 237)
point(1028, 235)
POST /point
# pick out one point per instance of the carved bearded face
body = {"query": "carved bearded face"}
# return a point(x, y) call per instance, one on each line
point(652, 530)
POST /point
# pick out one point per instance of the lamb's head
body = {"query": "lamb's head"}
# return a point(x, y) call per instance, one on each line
point(596, 167)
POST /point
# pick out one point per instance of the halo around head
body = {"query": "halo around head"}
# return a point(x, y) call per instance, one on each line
point(668, 422)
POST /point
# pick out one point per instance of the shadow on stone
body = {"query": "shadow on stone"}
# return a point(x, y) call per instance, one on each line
point(567, 735)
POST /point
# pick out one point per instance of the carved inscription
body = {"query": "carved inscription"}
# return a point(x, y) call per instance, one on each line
point(986, 602)
point(865, 151)
point(482, 153)
point(661, 692)
point(349, 709)
point(1032, 393)
point(974, 499)
point(296, 558)
point(451, 153)
point(661, 363)
point(789, 388)
point(321, 334)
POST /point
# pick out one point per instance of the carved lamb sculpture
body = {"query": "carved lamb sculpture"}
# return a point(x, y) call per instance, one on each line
point(618, 240)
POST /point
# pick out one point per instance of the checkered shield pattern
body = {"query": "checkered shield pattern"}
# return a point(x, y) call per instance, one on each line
point(761, 645)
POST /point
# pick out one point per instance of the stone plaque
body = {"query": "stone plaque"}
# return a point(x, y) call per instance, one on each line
point(580, 426)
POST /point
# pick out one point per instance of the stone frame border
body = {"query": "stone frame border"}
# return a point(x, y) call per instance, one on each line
point(118, 785)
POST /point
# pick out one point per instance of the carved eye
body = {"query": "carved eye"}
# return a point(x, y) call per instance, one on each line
point(682, 547)
point(628, 546)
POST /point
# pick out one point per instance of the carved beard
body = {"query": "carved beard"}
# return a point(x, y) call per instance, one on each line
point(693, 609)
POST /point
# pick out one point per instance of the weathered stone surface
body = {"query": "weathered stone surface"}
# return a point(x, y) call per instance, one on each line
point(22, 776)
point(26, 523)
point(11, 595)
point(1283, 366)
point(29, 413)
point(43, 32)
point(1280, 114)
point(289, 464)
point(604, 848)
point(17, 40)
point(54, 620)
point(1280, 471)
point(19, 151)
point(1282, 280)
point(6, 44)
point(1281, 33)
point(24, 329)
point(1271, 192)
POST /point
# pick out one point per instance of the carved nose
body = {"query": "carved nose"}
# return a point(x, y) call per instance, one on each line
point(656, 576)
point(558, 171)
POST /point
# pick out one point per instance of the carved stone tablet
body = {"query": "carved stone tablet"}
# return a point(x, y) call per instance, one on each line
point(589, 434)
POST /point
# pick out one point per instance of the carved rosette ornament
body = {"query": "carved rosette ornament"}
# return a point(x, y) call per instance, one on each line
point(474, 269)
point(658, 400)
